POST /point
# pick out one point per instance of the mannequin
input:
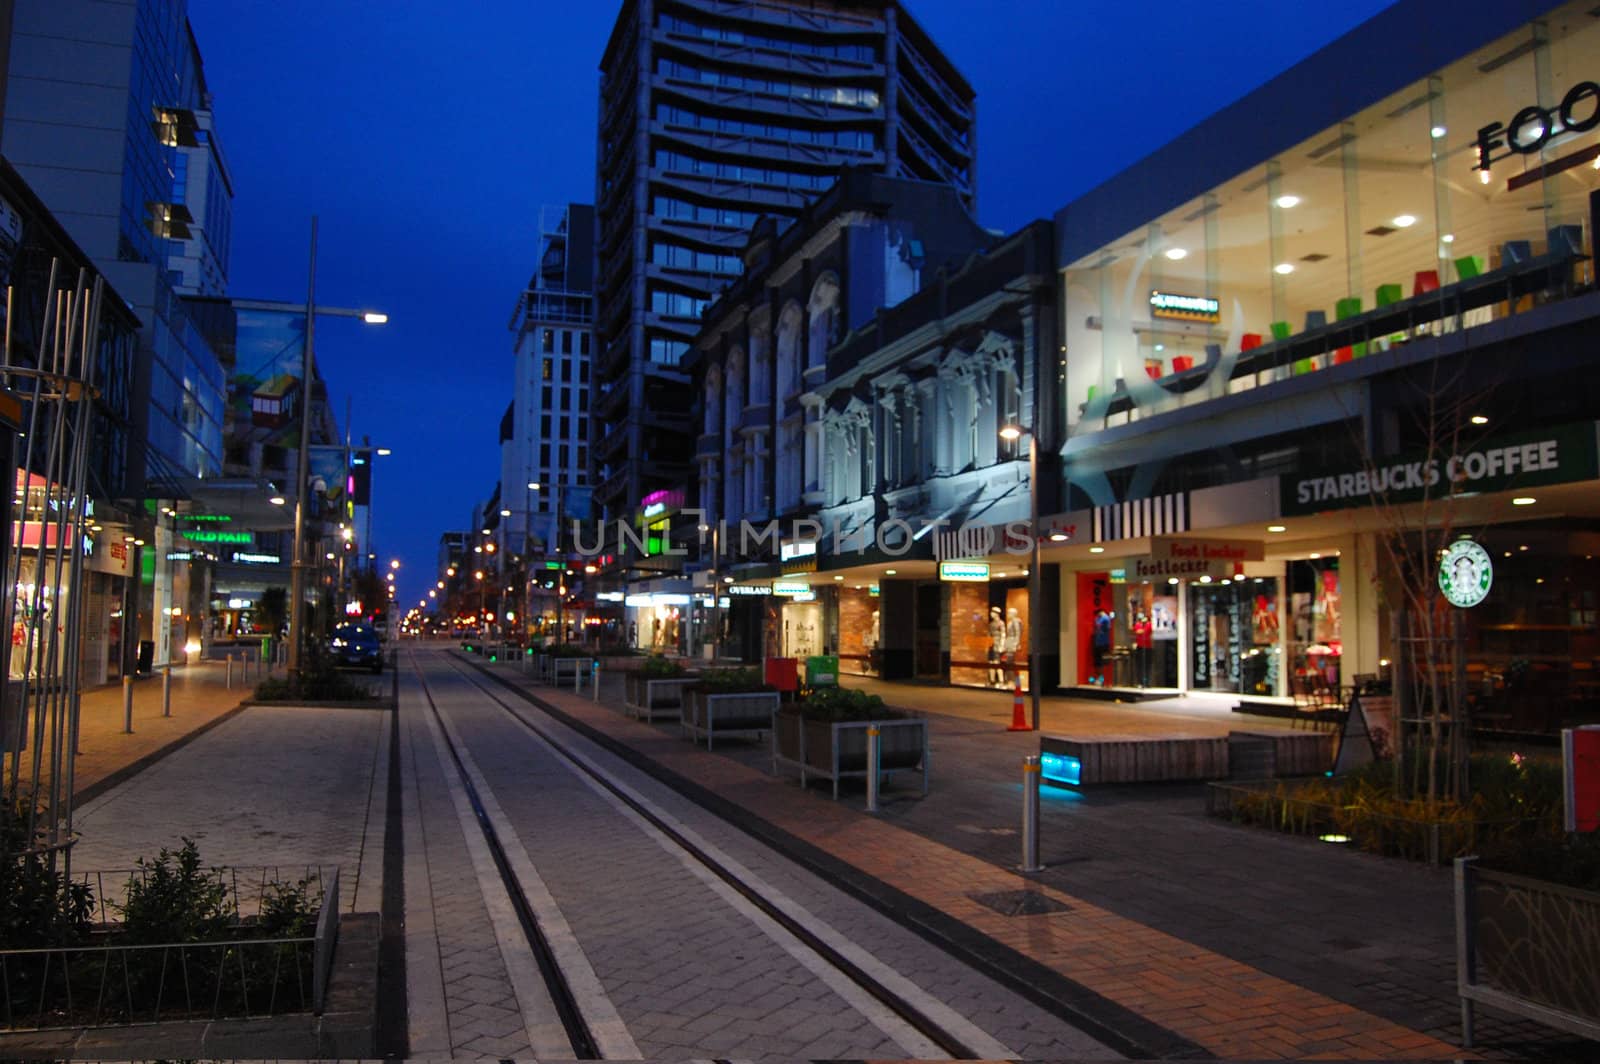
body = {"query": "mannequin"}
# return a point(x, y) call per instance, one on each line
point(997, 643)
point(1100, 643)
point(874, 658)
point(1013, 640)
point(1142, 647)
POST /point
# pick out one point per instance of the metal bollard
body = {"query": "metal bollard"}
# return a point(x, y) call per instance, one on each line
point(230, 670)
point(166, 690)
point(1030, 815)
point(594, 680)
point(577, 679)
point(127, 705)
point(874, 745)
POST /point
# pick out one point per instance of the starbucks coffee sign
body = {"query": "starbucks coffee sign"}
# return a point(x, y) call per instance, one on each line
point(1465, 573)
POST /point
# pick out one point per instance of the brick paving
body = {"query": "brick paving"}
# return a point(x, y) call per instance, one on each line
point(1230, 1006)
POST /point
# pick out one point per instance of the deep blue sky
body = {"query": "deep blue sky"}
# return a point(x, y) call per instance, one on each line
point(427, 135)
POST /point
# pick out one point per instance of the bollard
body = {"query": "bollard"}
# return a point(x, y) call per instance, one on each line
point(166, 690)
point(874, 744)
point(594, 680)
point(127, 705)
point(577, 679)
point(1030, 815)
point(230, 670)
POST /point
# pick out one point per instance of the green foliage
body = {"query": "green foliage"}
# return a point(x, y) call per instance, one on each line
point(319, 681)
point(173, 899)
point(659, 667)
point(842, 705)
point(38, 906)
point(1513, 798)
point(733, 681)
point(288, 910)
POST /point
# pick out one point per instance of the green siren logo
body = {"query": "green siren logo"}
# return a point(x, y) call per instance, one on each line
point(1465, 573)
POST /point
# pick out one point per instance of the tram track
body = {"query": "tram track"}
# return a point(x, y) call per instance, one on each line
point(895, 1005)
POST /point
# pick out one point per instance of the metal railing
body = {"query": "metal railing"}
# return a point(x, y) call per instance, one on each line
point(55, 987)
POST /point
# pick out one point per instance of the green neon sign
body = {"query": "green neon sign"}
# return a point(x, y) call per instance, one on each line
point(217, 535)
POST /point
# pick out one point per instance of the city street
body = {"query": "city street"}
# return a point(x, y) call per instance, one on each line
point(693, 905)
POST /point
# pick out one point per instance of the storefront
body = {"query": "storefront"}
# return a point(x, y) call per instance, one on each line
point(105, 603)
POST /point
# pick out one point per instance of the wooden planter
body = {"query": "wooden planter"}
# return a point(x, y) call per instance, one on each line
point(647, 698)
point(1527, 947)
point(834, 750)
point(734, 713)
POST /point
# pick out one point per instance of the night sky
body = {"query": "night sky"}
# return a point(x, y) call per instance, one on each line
point(426, 136)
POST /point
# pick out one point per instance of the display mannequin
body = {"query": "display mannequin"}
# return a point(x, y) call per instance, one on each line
point(1013, 640)
point(1143, 644)
point(997, 643)
point(874, 657)
point(1100, 644)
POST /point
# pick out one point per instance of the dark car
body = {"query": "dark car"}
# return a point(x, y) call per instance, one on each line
point(356, 645)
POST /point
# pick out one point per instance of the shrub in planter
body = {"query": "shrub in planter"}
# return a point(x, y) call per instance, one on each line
point(659, 667)
point(38, 907)
point(841, 704)
point(733, 681)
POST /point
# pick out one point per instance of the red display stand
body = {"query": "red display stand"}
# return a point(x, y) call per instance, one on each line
point(783, 674)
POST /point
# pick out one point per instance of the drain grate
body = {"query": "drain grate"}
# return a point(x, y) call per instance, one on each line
point(1020, 903)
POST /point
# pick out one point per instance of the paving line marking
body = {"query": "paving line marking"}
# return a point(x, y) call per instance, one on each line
point(367, 890)
point(897, 1029)
point(1059, 941)
point(545, 1033)
point(605, 1024)
point(427, 1016)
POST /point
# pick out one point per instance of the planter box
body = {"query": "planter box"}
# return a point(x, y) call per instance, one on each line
point(1527, 947)
point(836, 750)
point(1239, 755)
point(740, 713)
point(648, 699)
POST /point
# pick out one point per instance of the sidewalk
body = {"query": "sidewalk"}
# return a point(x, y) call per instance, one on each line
point(201, 699)
point(1177, 930)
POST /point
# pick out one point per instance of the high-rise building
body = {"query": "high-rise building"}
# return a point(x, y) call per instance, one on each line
point(713, 114)
point(102, 101)
point(547, 439)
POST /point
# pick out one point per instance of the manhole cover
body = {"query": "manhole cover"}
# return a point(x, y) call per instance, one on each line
point(1020, 903)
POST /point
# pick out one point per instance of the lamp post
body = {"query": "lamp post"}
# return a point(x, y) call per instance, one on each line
point(298, 564)
point(1014, 433)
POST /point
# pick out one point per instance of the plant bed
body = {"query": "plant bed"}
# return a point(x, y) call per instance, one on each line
point(1528, 933)
point(656, 689)
point(181, 950)
point(728, 702)
point(1516, 801)
point(825, 734)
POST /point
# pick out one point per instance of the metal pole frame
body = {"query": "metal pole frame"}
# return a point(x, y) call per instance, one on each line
point(298, 565)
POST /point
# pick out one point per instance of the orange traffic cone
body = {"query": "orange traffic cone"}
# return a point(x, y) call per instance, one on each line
point(1018, 721)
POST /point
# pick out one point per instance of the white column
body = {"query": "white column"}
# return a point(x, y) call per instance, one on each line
point(161, 598)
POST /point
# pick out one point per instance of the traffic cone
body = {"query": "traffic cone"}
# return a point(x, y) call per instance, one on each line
point(1019, 722)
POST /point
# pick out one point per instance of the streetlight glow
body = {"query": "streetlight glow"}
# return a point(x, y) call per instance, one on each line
point(375, 317)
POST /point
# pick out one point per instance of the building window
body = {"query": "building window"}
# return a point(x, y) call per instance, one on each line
point(566, 341)
point(547, 340)
point(566, 363)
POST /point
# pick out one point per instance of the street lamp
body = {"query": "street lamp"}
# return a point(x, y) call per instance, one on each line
point(298, 564)
point(1014, 433)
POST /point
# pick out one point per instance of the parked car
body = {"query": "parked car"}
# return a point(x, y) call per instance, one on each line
point(356, 645)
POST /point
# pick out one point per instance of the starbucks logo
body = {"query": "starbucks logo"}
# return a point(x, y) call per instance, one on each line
point(1465, 573)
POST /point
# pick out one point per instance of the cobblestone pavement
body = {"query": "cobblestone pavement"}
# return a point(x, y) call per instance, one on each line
point(688, 971)
point(1251, 945)
point(271, 786)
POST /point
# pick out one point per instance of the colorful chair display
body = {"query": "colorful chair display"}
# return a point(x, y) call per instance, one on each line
point(1154, 368)
point(1280, 330)
point(1514, 251)
point(1180, 363)
point(1348, 307)
point(1388, 294)
point(1469, 266)
point(1249, 341)
point(1213, 354)
point(1316, 319)
point(1566, 240)
point(1424, 282)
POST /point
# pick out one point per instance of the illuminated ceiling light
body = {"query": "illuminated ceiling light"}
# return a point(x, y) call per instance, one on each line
point(1524, 500)
point(1283, 267)
point(1176, 253)
point(1483, 177)
point(1523, 547)
point(1097, 550)
point(1206, 579)
point(1172, 580)
point(384, 452)
point(838, 578)
point(1437, 131)
point(888, 572)
point(1479, 419)
point(1058, 537)
point(96, 528)
point(505, 513)
point(1011, 432)
point(1403, 221)
point(1286, 201)
point(1277, 528)
point(1448, 238)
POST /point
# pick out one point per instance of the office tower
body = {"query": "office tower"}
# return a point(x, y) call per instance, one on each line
point(712, 115)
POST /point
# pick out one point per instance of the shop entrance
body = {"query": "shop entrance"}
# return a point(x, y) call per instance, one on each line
point(930, 615)
point(1233, 633)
